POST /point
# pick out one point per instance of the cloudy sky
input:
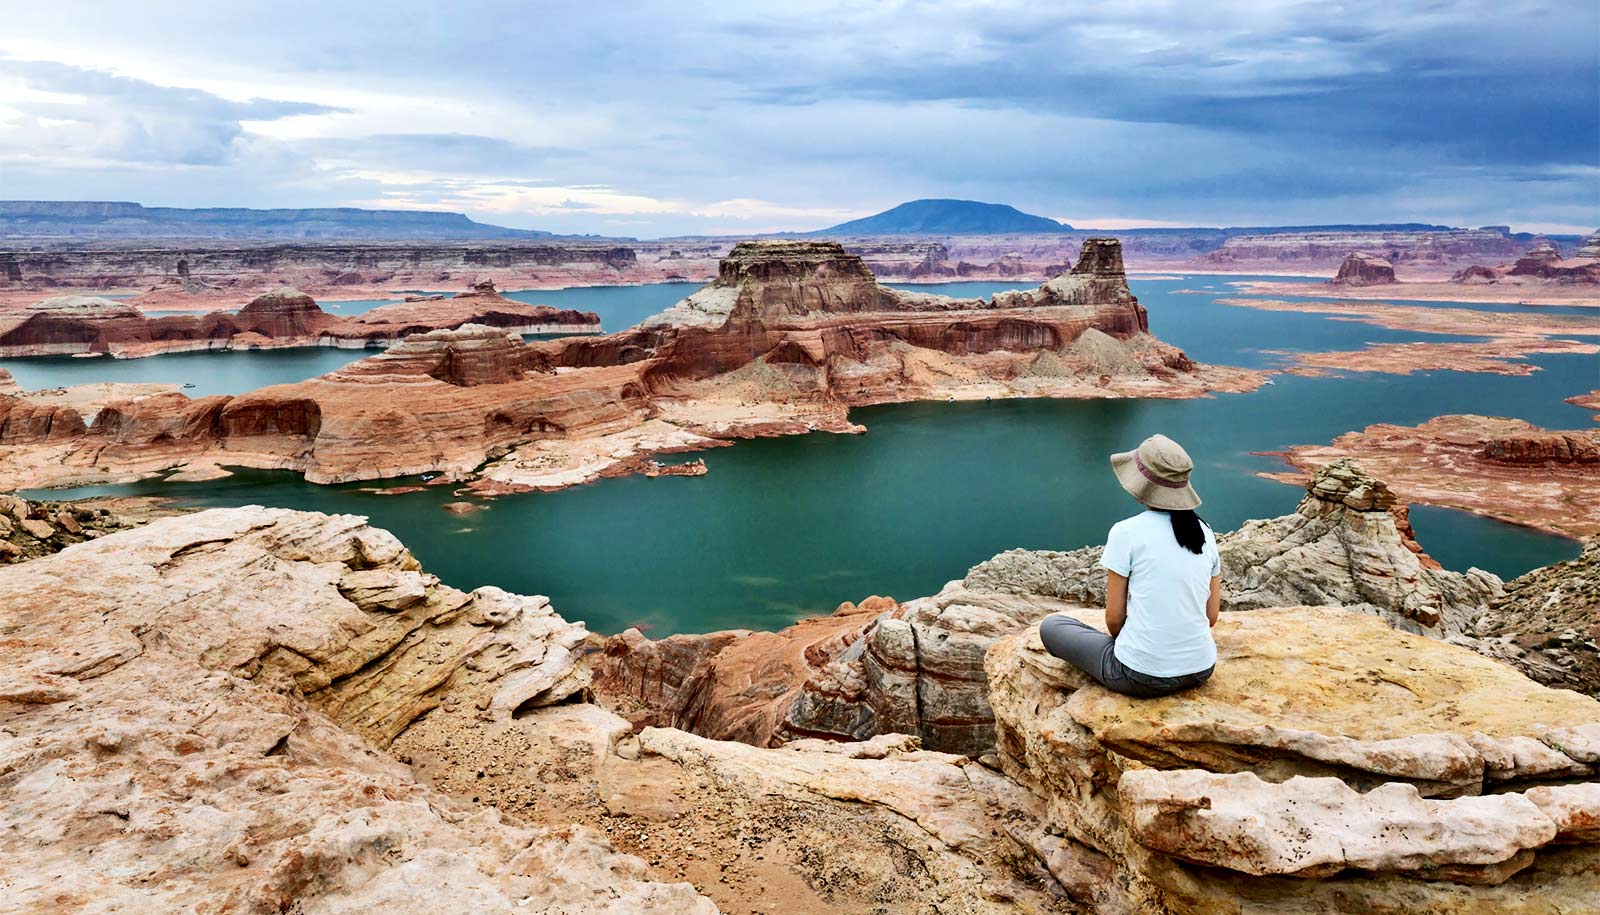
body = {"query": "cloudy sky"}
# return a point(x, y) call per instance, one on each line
point(650, 119)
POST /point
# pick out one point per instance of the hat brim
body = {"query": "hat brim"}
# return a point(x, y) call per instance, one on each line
point(1170, 498)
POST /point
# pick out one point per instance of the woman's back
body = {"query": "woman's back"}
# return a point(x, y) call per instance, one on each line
point(1167, 633)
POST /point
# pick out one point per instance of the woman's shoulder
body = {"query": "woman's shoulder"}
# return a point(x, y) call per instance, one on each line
point(1133, 521)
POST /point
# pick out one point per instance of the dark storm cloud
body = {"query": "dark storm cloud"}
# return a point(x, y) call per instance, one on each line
point(674, 118)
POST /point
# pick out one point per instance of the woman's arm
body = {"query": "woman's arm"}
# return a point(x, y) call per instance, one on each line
point(1214, 602)
point(1116, 601)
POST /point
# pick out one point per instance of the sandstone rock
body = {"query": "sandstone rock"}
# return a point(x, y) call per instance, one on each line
point(1476, 273)
point(1590, 246)
point(1346, 546)
point(1326, 744)
point(1542, 264)
point(732, 685)
point(1360, 269)
point(917, 668)
point(1547, 623)
point(812, 828)
point(1537, 261)
point(8, 385)
point(786, 339)
point(280, 317)
point(283, 312)
point(1504, 468)
point(43, 530)
point(174, 734)
point(1326, 826)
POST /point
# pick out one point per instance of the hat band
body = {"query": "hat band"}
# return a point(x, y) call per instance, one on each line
point(1145, 472)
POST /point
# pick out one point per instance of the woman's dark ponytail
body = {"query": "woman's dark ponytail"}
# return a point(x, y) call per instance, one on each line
point(1187, 527)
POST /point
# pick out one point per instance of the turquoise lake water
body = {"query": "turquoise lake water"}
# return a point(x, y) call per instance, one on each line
point(783, 528)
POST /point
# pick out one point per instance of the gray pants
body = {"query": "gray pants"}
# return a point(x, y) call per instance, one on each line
point(1090, 650)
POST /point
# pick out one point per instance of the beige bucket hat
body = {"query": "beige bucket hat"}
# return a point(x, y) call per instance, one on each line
point(1157, 474)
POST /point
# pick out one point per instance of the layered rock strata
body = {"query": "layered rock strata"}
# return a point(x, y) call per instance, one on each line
point(264, 710)
point(1508, 338)
point(786, 340)
point(196, 725)
point(1360, 269)
point(1331, 764)
point(283, 317)
point(1589, 401)
point(1547, 623)
point(917, 667)
point(1503, 468)
point(1418, 251)
point(1542, 263)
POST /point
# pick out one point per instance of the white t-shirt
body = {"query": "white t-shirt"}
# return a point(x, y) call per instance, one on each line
point(1166, 633)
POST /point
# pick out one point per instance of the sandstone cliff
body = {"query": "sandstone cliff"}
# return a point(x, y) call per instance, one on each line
point(260, 710)
point(1547, 623)
point(1330, 765)
point(1503, 468)
point(1360, 269)
point(185, 729)
point(1541, 264)
point(786, 340)
point(917, 668)
point(281, 317)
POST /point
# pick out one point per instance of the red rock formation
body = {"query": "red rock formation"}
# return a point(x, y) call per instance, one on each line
point(1502, 468)
point(1544, 264)
point(85, 324)
point(24, 423)
point(283, 312)
point(1537, 262)
point(731, 685)
point(1476, 274)
point(1360, 269)
point(788, 337)
point(281, 317)
point(1544, 448)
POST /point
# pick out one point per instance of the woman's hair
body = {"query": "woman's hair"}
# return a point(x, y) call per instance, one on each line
point(1188, 528)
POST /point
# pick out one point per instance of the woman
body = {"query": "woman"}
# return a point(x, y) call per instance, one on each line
point(1163, 585)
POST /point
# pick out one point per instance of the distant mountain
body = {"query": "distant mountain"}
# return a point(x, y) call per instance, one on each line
point(91, 219)
point(947, 217)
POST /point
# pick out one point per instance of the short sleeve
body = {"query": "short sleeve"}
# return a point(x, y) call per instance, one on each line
point(1118, 554)
point(1216, 554)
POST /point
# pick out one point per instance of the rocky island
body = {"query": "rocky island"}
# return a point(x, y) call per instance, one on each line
point(283, 317)
point(1504, 468)
point(1360, 269)
point(265, 710)
point(1538, 275)
point(786, 339)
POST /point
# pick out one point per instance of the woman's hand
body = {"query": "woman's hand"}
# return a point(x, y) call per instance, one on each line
point(1117, 601)
point(1214, 602)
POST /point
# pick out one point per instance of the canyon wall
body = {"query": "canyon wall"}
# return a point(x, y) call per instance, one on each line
point(786, 339)
point(282, 317)
point(182, 270)
point(917, 667)
point(265, 710)
point(1541, 264)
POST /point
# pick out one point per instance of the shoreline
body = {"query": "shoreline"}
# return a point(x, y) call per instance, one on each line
point(688, 426)
point(1530, 295)
point(1508, 470)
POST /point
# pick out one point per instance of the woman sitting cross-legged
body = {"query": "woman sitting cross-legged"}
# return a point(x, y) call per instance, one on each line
point(1163, 585)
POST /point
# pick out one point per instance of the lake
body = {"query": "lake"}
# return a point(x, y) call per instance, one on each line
point(783, 528)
